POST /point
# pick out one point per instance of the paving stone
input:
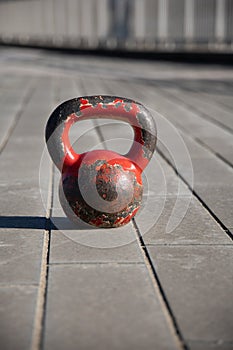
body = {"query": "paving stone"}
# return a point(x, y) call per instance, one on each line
point(161, 180)
point(219, 200)
point(89, 236)
point(84, 137)
point(180, 221)
point(11, 99)
point(212, 182)
point(219, 345)
point(103, 298)
point(22, 222)
point(210, 171)
point(104, 307)
point(195, 225)
point(16, 316)
point(188, 120)
point(20, 167)
point(66, 89)
point(193, 148)
point(64, 250)
point(20, 255)
point(224, 99)
point(22, 199)
point(203, 105)
point(198, 281)
point(221, 145)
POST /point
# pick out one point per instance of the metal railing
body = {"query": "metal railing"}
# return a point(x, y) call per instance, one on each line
point(170, 25)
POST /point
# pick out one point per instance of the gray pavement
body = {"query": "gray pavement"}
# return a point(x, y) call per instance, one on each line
point(165, 280)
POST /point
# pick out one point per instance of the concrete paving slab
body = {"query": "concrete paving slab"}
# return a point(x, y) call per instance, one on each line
point(210, 171)
point(188, 120)
point(20, 255)
point(12, 98)
point(198, 281)
point(204, 106)
point(223, 99)
point(16, 316)
point(104, 297)
point(219, 345)
point(213, 181)
point(22, 222)
point(220, 201)
point(66, 250)
point(84, 137)
point(191, 224)
point(104, 307)
point(21, 158)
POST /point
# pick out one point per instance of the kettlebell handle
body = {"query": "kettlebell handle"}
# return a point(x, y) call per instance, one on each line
point(92, 107)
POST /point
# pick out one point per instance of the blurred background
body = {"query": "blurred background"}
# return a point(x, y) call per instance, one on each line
point(128, 25)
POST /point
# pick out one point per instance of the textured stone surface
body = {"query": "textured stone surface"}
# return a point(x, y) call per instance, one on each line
point(197, 282)
point(188, 221)
point(204, 105)
point(218, 345)
point(11, 103)
point(22, 222)
point(104, 307)
point(65, 249)
point(220, 201)
point(210, 168)
point(20, 160)
point(189, 120)
point(20, 255)
point(100, 295)
point(16, 316)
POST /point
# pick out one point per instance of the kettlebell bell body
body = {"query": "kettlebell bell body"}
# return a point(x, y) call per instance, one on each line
point(101, 187)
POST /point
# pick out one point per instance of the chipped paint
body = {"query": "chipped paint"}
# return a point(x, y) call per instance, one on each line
point(117, 178)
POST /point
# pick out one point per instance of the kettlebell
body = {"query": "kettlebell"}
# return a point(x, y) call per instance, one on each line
point(101, 187)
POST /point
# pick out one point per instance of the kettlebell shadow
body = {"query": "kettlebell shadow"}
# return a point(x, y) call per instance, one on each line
point(63, 223)
point(42, 223)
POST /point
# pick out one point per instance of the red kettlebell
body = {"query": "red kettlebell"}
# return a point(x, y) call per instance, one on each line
point(101, 187)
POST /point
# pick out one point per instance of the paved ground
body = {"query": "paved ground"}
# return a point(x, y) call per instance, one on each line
point(164, 281)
